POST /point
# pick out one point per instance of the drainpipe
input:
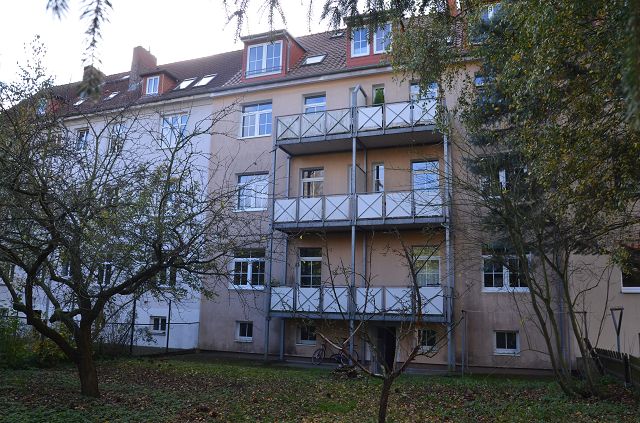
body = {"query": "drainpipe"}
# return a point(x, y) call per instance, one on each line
point(451, 348)
point(352, 189)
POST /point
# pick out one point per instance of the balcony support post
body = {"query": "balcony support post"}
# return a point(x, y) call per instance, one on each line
point(267, 291)
point(451, 348)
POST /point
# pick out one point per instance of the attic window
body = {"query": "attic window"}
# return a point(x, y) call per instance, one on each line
point(184, 84)
point(205, 80)
point(152, 85)
point(113, 94)
point(337, 34)
point(80, 101)
point(312, 60)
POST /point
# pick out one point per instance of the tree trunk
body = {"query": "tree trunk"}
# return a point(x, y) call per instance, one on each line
point(86, 367)
point(384, 399)
point(88, 376)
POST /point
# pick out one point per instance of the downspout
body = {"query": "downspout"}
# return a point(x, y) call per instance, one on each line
point(451, 348)
point(352, 189)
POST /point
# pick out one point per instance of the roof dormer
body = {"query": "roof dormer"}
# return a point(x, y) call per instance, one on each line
point(158, 82)
point(269, 55)
point(367, 45)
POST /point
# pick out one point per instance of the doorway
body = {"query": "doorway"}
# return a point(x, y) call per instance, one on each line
point(387, 344)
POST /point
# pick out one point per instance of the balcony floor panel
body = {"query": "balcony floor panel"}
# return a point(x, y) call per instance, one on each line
point(435, 318)
point(365, 224)
point(390, 138)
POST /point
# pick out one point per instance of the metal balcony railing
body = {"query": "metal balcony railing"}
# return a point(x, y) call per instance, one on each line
point(378, 205)
point(369, 301)
point(387, 116)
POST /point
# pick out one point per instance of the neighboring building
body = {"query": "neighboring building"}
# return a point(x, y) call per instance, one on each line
point(340, 167)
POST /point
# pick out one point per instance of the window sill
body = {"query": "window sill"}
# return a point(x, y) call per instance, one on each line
point(306, 343)
point(507, 353)
point(381, 52)
point(244, 341)
point(630, 290)
point(249, 210)
point(258, 75)
point(246, 287)
point(428, 350)
point(359, 55)
point(158, 333)
point(505, 290)
point(250, 137)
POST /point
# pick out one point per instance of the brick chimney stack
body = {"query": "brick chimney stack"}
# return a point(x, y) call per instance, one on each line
point(141, 62)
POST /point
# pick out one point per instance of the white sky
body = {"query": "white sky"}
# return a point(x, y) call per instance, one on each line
point(173, 30)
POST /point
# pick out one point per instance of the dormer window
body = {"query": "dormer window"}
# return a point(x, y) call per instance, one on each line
point(360, 42)
point(113, 94)
point(312, 60)
point(205, 80)
point(153, 82)
point(382, 39)
point(264, 59)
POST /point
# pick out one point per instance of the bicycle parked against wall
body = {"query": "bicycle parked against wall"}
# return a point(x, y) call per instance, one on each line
point(341, 357)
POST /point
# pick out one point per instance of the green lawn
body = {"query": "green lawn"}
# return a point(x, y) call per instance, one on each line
point(181, 391)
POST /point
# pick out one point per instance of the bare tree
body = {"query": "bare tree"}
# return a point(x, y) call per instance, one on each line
point(91, 216)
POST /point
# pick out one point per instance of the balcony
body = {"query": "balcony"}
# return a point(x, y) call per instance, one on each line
point(331, 130)
point(375, 303)
point(414, 207)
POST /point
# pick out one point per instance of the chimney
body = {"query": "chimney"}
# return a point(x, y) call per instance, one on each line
point(142, 61)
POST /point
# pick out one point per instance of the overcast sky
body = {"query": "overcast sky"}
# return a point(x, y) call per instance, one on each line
point(173, 30)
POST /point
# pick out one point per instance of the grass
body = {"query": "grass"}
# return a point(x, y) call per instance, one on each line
point(183, 391)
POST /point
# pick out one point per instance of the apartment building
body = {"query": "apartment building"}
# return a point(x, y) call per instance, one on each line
point(343, 175)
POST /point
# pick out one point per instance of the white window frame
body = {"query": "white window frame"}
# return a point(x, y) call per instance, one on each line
point(506, 351)
point(256, 124)
point(376, 177)
point(353, 43)
point(106, 268)
point(506, 287)
point(311, 180)
point(158, 331)
point(428, 171)
point(314, 107)
point(116, 139)
point(205, 80)
point(250, 264)
point(300, 341)
point(627, 289)
point(85, 139)
point(244, 338)
point(427, 347)
point(312, 259)
point(423, 270)
point(263, 60)
point(259, 191)
point(173, 127)
point(153, 85)
point(386, 33)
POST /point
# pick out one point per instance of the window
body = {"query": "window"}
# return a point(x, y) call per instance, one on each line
point(488, 15)
point(152, 85)
point(430, 94)
point(631, 275)
point(41, 108)
point(378, 94)
point(264, 59)
point(113, 94)
point(313, 60)
point(507, 342)
point(378, 177)
point(116, 138)
point(425, 175)
point(184, 84)
point(382, 39)
point(315, 103)
point(306, 335)
point(248, 268)
point(427, 266)
point(256, 120)
point(105, 272)
point(80, 101)
point(9, 271)
point(205, 80)
point(359, 42)
point(244, 331)
point(4, 312)
point(173, 129)
point(252, 192)
point(503, 274)
point(312, 181)
point(427, 339)
point(310, 267)
point(82, 139)
point(159, 324)
point(167, 277)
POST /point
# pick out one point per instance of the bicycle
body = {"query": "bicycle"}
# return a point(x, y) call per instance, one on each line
point(341, 357)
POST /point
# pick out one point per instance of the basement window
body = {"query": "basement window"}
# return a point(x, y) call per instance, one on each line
point(507, 343)
point(184, 84)
point(205, 80)
point(313, 60)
